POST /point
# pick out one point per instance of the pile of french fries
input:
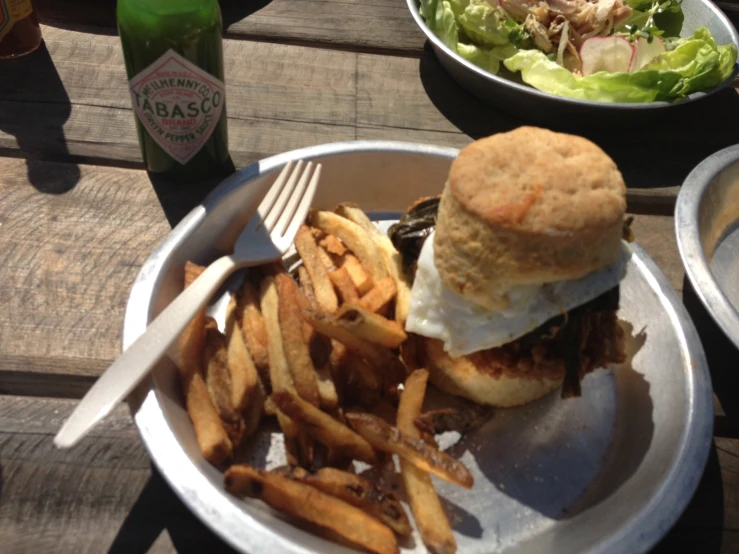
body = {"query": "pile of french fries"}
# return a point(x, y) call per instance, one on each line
point(327, 355)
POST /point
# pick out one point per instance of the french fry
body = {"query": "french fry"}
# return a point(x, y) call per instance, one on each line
point(231, 314)
point(192, 339)
point(247, 390)
point(387, 438)
point(379, 296)
point(379, 358)
point(326, 259)
point(332, 245)
point(294, 344)
point(431, 520)
point(361, 279)
point(308, 503)
point(279, 371)
point(411, 402)
point(218, 381)
point(322, 287)
point(323, 427)
point(212, 439)
point(326, 388)
point(359, 492)
point(307, 287)
point(355, 238)
point(252, 325)
point(391, 257)
point(344, 285)
point(372, 327)
point(304, 303)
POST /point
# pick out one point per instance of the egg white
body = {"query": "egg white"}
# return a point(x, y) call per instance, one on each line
point(465, 327)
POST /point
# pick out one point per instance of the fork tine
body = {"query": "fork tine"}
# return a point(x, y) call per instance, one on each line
point(301, 210)
point(285, 195)
point(289, 209)
point(269, 200)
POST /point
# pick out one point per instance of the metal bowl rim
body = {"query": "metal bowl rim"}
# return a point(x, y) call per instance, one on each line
point(439, 45)
point(690, 245)
point(212, 507)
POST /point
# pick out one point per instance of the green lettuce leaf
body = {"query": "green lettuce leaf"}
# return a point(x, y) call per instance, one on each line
point(692, 64)
point(483, 25)
point(666, 16)
point(473, 29)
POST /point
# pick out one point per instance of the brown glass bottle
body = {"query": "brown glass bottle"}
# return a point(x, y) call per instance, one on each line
point(19, 29)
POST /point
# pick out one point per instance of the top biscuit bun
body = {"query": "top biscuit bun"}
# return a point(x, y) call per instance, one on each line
point(524, 208)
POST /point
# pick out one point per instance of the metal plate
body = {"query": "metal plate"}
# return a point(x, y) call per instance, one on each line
point(608, 472)
point(707, 227)
point(526, 102)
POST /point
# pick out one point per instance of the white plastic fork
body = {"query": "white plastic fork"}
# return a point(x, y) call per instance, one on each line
point(267, 236)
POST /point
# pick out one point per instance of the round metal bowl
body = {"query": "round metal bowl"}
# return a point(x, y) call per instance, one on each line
point(609, 472)
point(707, 227)
point(526, 102)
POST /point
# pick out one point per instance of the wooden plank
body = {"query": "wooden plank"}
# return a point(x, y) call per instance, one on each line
point(656, 235)
point(103, 496)
point(74, 105)
point(372, 25)
point(75, 99)
point(369, 25)
point(68, 263)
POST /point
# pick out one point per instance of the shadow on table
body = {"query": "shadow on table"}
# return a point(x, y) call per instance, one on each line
point(178, 199)
point(36, 108)
point(234, 11)
point(721, 355)
point(699, 529)
point(89, 16)
point(659, 153)
point(99, 16)
point(158, 509)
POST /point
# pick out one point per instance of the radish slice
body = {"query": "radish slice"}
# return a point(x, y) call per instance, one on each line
point(612, 54)
point(645, 52)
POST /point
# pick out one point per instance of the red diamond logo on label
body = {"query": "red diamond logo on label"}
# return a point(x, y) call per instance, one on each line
point(178, 103)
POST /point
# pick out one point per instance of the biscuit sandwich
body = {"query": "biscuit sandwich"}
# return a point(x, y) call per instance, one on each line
point(516, 284)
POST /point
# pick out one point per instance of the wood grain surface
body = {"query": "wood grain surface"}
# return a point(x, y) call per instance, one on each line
point(366, 25)
point(55, 105)
point(373, 25)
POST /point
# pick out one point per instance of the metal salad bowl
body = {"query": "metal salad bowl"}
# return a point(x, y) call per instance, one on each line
point(526, 102)
point(610, 471)
point(707, 227)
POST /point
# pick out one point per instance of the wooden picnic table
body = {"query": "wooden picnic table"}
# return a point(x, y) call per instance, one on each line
point(79, 215)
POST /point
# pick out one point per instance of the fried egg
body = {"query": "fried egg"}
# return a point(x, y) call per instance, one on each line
point(465, 327)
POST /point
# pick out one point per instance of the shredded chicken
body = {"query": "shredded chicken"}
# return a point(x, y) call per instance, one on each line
point(573, 21)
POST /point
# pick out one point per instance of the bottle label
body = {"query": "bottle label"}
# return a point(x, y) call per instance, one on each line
point(12, 11)
point(178, 103)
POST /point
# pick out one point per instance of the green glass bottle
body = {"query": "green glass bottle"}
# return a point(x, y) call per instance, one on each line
point(174, 61)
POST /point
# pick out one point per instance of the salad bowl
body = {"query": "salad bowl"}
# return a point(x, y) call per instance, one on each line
point(507, 91)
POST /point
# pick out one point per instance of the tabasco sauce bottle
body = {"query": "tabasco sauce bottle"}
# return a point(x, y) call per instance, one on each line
point(174, 60)
point(19, 29)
